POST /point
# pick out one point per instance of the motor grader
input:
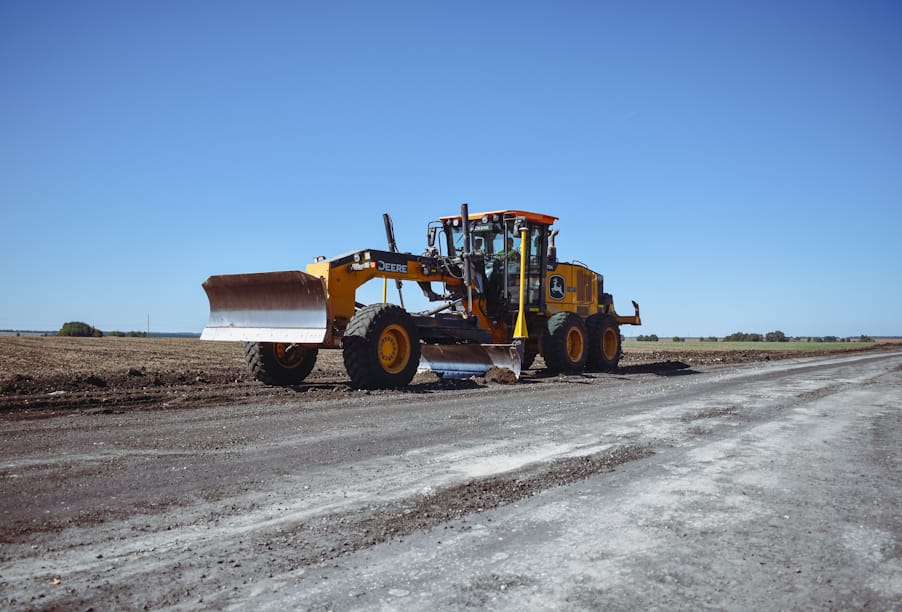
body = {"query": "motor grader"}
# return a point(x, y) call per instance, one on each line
point(503, 296)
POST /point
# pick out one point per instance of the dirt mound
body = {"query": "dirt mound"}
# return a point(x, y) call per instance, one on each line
point(501, 376)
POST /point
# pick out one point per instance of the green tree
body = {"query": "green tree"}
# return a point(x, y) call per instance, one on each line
point(131, 334)
point(775, 336)
point(743, 337)
point(79, 329)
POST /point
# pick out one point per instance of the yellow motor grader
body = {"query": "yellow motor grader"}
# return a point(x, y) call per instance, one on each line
point(503, 296)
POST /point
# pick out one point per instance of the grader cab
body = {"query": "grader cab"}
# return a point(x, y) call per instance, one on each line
point(503, 299)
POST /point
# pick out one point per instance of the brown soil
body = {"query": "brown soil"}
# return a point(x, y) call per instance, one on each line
point(42, 375)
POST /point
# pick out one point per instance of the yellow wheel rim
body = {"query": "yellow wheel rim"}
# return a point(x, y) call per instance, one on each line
point(574, 345)
point(609, 343)
point(286, 358)
point(394, 349)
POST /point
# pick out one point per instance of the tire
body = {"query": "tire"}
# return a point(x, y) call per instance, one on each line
point(528, 358)
point(605, 343)
point(279, 363)
point(381, 347)
point(565, 343)
point(531, 352)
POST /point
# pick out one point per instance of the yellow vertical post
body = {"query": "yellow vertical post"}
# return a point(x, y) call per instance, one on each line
point(384, 290)
point(520, 327)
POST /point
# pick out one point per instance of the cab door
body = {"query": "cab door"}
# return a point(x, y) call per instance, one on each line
point(536, 245)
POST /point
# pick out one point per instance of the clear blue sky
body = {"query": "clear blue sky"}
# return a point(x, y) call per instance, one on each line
point(730, 165)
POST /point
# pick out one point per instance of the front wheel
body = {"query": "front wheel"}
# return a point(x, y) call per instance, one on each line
point(605, 343)
point(564, 344)
point(279, 363)
point(381, 347)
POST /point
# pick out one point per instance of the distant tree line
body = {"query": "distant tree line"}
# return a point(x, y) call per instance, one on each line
point(648, 338)
point(773, 336)
point(83, 330)
point(778, 336)
point(861, 338)
point(743, 337)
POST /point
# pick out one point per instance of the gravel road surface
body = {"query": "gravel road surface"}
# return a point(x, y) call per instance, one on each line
point(773, 485)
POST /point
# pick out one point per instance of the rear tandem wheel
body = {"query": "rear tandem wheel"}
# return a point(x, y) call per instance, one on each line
point(605, 343)
point(564, 344)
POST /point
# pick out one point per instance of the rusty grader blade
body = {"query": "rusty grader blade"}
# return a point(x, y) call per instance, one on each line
point(266, 307)
point(466, 360)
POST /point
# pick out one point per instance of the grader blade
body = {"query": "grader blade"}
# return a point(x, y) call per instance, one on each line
point(266, 307)
point(466, 360)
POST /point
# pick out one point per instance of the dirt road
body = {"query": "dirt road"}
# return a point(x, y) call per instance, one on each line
point(48, 375)
point(767, 485)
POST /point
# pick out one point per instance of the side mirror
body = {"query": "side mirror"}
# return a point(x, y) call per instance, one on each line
point(430, 235)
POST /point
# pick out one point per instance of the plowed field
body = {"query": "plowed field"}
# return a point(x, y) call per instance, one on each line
point(41, 375)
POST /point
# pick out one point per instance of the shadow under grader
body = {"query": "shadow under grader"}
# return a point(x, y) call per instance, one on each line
point(539, 376)
point(442, 385)
point(660, 368)
point(529, 377)
point(413, 388)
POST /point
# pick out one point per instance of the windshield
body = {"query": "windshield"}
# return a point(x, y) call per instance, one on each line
point(489, 239)
point(499, 249)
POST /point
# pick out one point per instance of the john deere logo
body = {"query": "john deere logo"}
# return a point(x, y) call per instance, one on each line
point(556, 287)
